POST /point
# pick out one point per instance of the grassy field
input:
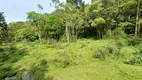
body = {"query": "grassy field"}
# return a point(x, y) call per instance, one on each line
point(75, 61)
point(98, 72)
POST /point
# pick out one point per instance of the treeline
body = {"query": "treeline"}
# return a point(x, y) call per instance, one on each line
point(75, 19)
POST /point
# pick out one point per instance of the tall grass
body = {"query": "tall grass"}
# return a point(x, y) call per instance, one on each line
point(86, 59)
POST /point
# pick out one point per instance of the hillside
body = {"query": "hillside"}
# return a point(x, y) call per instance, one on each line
point(77, 40)
point(74, 61)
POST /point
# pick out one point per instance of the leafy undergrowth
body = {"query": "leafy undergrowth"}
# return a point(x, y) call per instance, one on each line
point(80, 61)
point(8, 57)
point(61, 54)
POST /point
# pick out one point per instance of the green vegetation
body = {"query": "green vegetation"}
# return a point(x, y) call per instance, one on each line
point(77, 41)
point(78, 60)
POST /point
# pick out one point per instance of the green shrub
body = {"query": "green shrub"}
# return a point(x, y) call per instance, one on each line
point(37, 72)
point(137, 57)
point(4, 56)
point(6, 70)
point(139, 48)
point(63, 39)
point(134, 41)
point(127, 51)
point(116, 34)
point(136, 60)
point(61, 62)
point(1, 49)
point(105, 51)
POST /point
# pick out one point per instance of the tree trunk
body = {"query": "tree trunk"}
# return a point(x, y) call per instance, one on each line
point(39, 34)
point(67, 32)
point(137, 19)
point(76, 32)
point(140, 31)
point(73, 33)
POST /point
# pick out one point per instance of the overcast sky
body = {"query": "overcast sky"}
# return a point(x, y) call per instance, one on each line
point(15, 10)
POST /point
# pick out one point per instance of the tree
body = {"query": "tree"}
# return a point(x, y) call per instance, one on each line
point(99, 24)
point(70, 17)
point(137, 27)
point(55, 2)
point(53, 27)
point(3, 28)
point(37, 20)
point(19, 31)
point(67, 12)
point(76, 3)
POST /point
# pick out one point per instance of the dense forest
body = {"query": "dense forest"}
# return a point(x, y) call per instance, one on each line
point(78, 41)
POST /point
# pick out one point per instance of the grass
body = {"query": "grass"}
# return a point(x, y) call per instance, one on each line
point(80, 52)
point(75, 61)
point(98, 72)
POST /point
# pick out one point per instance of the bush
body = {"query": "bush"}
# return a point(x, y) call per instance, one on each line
point(35, 73)
point(136, 60)
point(60, 62)
point(4, 56)
point(1, 49)
point(116, 34)
point(105, 51)
point(127, 51)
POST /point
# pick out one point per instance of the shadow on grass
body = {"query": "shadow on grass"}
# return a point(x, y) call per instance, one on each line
point(9, 56)
point(38, 72)
point(35, 73)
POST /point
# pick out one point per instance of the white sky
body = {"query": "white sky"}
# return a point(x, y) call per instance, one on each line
point(15, 10)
